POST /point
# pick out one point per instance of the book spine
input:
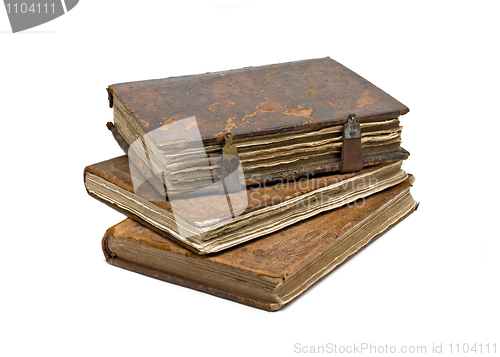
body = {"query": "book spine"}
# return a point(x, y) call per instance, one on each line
point(136, 161)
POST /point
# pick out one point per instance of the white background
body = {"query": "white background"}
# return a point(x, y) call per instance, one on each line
point(432, 279)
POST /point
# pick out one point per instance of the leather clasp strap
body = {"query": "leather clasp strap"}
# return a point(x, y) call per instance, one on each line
point(352, 156)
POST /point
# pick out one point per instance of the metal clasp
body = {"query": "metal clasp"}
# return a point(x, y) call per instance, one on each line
point(352, 129)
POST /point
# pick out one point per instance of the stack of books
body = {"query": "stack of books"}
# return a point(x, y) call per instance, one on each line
point(251, 184)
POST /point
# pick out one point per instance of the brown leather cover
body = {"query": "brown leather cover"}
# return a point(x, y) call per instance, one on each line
point(278, 256)
point(254, 101)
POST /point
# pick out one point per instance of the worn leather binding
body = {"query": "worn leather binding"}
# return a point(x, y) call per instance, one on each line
point(256, 101)
point(107, 179)
point(297, 256)
point(267, 101)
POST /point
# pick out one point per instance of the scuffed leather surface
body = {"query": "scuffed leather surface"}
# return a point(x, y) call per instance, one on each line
point(258, 101)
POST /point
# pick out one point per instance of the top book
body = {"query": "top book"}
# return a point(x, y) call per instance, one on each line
point(281, 120)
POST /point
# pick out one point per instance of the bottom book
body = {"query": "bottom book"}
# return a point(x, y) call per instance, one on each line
point(269, 272)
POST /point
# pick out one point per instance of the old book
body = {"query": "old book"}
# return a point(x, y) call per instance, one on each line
point(208, 223)
point(283, 120)
point(270, 272)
